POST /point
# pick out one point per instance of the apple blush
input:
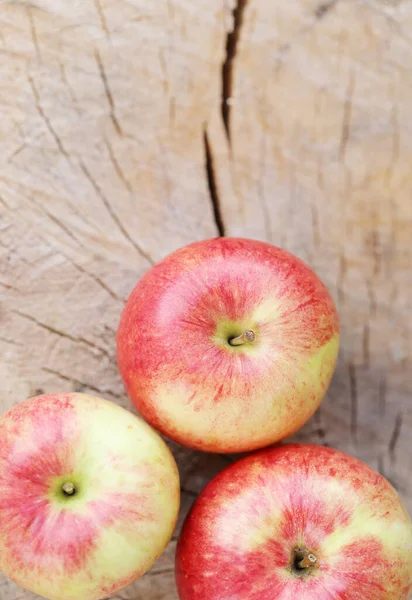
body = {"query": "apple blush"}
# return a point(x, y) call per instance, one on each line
point(89, 496)
point(296, 522)
point(228, 345)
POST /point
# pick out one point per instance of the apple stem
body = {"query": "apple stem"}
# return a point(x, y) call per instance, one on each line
point(68, 488)
point(244, 338)
point(308, 561)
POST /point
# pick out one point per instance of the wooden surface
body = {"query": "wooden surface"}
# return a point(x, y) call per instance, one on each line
point(130, 128)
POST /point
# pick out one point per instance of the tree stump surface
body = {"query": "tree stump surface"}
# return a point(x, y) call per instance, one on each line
point(131, 128)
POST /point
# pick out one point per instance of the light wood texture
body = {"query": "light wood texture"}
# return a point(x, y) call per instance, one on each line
point(130, 128)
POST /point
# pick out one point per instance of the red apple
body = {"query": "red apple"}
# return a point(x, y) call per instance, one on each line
point(296, 522)
point(89, 496)
point(228, 345)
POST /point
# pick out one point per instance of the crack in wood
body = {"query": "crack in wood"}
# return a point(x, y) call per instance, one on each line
point(165, 74)
point(375, 246)
point(341, 278)
point(7, 286)
point(353, 401)
point(34, 33)
point(62, 334)
point(347, 117)
point(11, 342)
point(395, 435)
point(323, 9)
point(232, 42)
point(317, 238)
point(213, 191)
point(366, 345)
point(381, 466)
point(83, 385)
point(70, 90)
point(117, 167)
point(48, 328)
point(97, 280)
point(16, 152)
point(103, 22)
point(46, 119)
point(372, 298)
point(58, 222)
point(113, 214)
point(108, 92)
point(382, 396)
point(165, 571)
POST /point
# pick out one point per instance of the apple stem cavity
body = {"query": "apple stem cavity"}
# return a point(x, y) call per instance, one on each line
point(244, 338)
point(68, 488)
point(303, 561)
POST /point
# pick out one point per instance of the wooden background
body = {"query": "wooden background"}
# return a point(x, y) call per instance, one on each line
point(129, 128)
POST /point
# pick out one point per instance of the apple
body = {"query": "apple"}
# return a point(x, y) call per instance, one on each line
point(89, 496)
point(228, 345)
point(296, 522)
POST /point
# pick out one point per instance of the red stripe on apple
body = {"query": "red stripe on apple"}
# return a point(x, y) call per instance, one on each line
point(228, 344)
point(296, 523)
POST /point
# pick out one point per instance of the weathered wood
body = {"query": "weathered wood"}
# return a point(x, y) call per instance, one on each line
point(131, 128)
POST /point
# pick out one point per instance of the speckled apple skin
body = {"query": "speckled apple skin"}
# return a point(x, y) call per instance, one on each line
point(188, 381)
point(238, 540)
point(89, 545)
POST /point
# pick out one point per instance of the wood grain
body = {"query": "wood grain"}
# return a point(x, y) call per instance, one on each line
point(131, 128)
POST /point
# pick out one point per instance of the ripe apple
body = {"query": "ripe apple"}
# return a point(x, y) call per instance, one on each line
point(296, 522)
point(89, 496)
point(228, 345)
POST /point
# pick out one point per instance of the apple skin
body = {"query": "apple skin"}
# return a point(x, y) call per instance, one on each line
point(121, 516)
point(188, 381)
point(239, 539)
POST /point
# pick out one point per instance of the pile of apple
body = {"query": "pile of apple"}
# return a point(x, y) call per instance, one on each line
point(227, 345)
